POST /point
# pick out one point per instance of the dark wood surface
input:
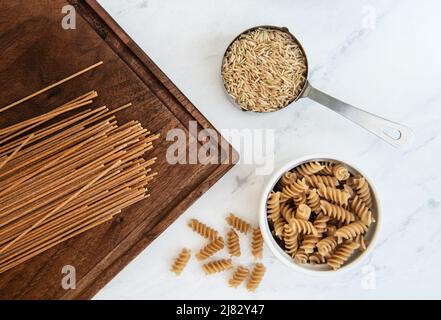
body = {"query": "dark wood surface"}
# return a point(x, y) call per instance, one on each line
point(36, 51)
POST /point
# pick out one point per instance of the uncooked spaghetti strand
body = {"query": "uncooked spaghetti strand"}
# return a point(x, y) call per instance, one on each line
point(89, 134)
point(103, 213)
point(68, 220)
point(56, 159)
point(59, 141)
point(51, 86)
point(112, 185)
point(63, 188)
point(29, 138)
point(47, 116)
point(46, 131)
point(116, 163)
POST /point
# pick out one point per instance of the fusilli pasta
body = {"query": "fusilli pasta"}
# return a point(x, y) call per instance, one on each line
point(315, 180)
point(363, 191)
point(233, 243)
point(181, 261)
point(203, 230)
point(342, 254)
point(238, 276)
point(238, 224)
point(351, 230)
point(257, 244)
point(273, 206)
point(256, 277)
point(361, 210)
point(334, 195)
point(340, 172)
point(303, 212)
point(336, 212)
point(217, 266)
point(313, 200)
point(210, 249)
point(309, 168)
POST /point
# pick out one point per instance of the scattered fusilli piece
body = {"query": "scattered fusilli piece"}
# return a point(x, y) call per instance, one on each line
point(238, 276)
point(181, 261)
point(217, 266)
point(238, 223)
point(256, 277)
point(203, 230)
point(210, 249)
point(233, 243)
point(257, 244)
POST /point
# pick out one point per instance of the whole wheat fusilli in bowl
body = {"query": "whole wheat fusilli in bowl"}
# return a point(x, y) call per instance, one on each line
point(320, 215)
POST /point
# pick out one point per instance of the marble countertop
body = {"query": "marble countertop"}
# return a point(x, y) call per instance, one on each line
point(381, 55)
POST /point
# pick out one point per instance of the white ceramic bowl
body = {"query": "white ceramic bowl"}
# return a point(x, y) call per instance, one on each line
point(371, 235)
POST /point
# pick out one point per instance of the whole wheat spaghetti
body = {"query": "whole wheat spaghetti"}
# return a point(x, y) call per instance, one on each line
point(66, 172)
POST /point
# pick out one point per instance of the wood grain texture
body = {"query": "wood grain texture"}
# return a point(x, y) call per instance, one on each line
point(36, 51)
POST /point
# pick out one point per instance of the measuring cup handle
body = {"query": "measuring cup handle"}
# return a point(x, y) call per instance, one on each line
point(393, 133)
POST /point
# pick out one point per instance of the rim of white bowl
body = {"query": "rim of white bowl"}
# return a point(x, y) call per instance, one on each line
point(278, 251)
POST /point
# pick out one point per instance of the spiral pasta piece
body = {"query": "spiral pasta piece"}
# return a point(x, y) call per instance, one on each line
point(361, 210)
point(315, 180)
point(351, 230)
point(313, 200)
point(287, 212)
point(278, 228)
point(238, 276)
point(326, 245)
point(316, 258)
point(340, 172)
point(361, 241)
point(330, 230)
point(334, 195)
point(363, 191)
point(293, 189)
point(203, 230)
point(303, 212)
point(310, 241)
point(233, 243)
point(300, 199)
point(210, 249)
point(257, 244)
point(287, 178)
point(181, 261)
point(238, 223)
point(327, 168)
point(273, 206)
point(217, 266)
point(342, 254)
point(256, 277)
point(336, 212)
point(309, 168)
point(301, 257)
point(349, 190)
point(303, 227)
point(291, 239)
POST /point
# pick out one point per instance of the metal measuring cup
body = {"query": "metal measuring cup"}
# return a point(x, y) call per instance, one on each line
point(393, 133)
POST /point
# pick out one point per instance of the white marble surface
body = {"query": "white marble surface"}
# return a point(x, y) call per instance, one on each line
point(393, 69)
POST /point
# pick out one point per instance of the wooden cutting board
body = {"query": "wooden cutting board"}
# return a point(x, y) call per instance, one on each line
point(36, 51)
